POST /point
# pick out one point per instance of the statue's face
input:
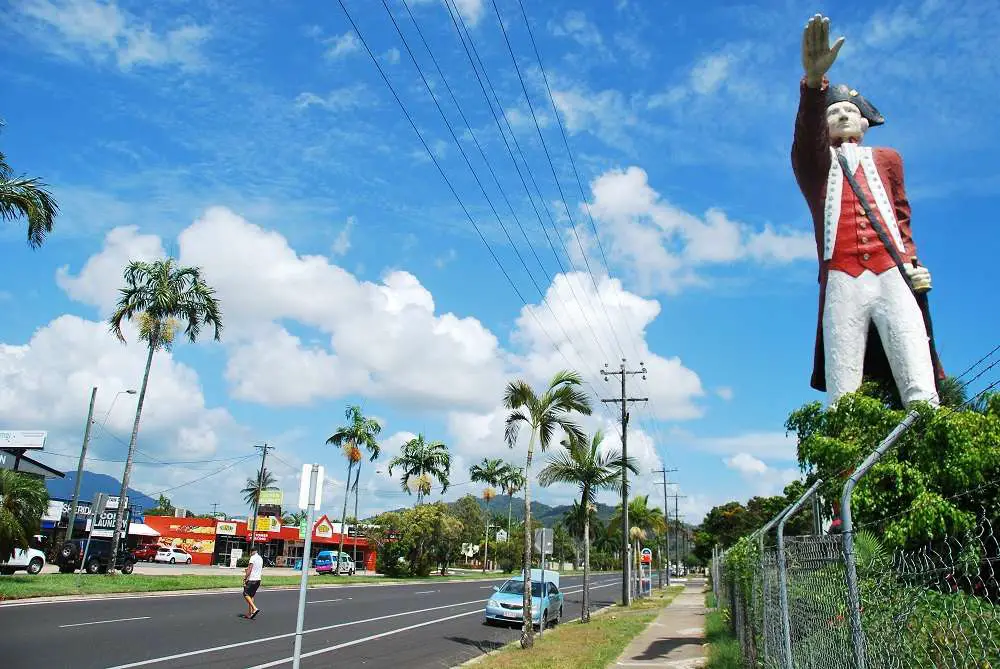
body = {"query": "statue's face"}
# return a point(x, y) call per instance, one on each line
point(845, 121)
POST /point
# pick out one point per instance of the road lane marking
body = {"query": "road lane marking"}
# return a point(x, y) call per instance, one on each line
point(276, 637)
point(101, 622)
point(425, 592)
point(381, 635)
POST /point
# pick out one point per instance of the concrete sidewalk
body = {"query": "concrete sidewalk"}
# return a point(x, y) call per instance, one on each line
point(676, 638)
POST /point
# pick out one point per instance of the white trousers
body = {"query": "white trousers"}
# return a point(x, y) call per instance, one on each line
point(852, 304)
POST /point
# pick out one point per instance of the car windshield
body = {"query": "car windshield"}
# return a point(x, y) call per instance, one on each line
point(517, 588)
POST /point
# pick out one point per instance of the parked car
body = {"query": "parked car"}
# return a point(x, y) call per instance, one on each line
point(173, 555)
point(146, 553)
point(507, 603)
point(98, 556)
point(30, 560)
point(325, 563)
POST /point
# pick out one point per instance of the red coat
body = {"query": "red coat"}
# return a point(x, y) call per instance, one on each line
point(811, 162)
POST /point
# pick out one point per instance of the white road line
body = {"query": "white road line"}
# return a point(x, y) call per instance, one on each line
point(325, 601)
point(346, 644)
point(101, 622)
point(425, 592)
point(240, 644)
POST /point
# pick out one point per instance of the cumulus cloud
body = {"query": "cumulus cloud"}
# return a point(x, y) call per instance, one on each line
point(763, 478)
point(664, 246)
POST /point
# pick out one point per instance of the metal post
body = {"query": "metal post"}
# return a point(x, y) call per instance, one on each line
point(99, 502)
point(851, 569)
point(786, 626)
point(79, 466)
point(541, 609)
point(301, 615)
point(761, 534)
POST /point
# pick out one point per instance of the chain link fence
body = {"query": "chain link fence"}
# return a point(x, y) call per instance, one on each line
point(936, 607)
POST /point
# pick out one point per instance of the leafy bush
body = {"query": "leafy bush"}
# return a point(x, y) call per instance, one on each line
point(243, 562)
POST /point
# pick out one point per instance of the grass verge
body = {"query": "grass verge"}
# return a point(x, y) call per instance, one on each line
point(723, 648)
point(23, 586)
point(578, 646)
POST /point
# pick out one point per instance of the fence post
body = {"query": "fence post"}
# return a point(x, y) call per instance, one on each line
point(786, 627)
point(762, 533)
point(847, 528)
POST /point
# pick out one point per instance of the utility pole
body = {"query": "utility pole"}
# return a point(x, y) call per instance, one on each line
point(79, 466)
point(677, 524)
point(215, 509)
point(256, 502)
point(624, 400)
point(666, 516)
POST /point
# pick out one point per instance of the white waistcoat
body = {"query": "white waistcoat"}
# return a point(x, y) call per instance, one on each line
point(835, 184)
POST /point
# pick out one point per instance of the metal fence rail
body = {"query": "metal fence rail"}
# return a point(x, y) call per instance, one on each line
point(936, 607)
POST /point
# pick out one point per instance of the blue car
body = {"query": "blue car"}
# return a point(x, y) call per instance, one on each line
point(506, 604)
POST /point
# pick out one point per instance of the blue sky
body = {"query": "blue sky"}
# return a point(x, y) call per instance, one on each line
point(259, 141)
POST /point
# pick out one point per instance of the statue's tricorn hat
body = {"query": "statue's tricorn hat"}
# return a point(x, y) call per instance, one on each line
point(844, 93)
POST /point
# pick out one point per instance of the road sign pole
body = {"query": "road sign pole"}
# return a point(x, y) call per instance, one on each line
point(311, 486)
point(100, 500)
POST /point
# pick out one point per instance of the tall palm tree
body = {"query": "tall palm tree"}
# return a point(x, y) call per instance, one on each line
point(23, 501)
point(263, 480)
point(27, 197)
point(360, 432)
point(490, 471)
point(512, 483)
point(162, 296)
point(647, 519)
point(424, 460)
point(543, 414)
point(582, 463)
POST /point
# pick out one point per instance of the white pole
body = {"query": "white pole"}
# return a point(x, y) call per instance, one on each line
point(541, 607)
point(301, 616)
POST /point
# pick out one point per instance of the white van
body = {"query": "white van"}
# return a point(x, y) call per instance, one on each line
point(30, 560)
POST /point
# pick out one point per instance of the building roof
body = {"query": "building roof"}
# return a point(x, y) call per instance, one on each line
point(27, 465)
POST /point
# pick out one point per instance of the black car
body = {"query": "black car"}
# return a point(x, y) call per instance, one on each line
point(98, 556)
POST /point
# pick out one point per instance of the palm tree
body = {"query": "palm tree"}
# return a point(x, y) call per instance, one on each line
point(490, 471)
point(27, 197)
point(583, 464)
point(264, 480)
point(359, 432)
point(543, 414)
point(512, 483)
point(161, 295)
point(23, 501)
point(295, 518)
point(641, 516)
point(425, 461)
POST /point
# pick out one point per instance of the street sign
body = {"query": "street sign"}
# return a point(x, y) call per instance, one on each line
point(32, 440)
point(543, 540)
point(317, 499)
point(647, 556)
point(104, 523)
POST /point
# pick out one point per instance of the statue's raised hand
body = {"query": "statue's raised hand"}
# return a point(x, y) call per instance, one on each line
point(817, 55)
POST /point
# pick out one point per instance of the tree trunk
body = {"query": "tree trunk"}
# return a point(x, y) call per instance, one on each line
point(343, 516)
point(510, 509)
point(585, 614)
point(486, 552)
point(357, 534)
point(528, 632)
point(116, 537)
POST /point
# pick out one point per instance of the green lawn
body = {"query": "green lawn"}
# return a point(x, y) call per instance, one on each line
point(578, 646)
point(724, 648)
point(23, 586)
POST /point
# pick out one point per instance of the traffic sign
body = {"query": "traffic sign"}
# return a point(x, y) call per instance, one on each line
point(543, 540)
point(646, 556)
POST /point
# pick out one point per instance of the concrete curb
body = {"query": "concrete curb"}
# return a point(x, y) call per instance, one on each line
point(153, 594)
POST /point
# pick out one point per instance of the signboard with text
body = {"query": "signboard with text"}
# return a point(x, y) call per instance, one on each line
point(270, 498)
point(228, 529)
point(104, 523)
point(32, 440)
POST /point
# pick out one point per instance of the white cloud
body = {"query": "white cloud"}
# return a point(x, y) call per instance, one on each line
point(763, 479)
point(391, 56)
point(102, 30)
point(605, 114)
point(709, 73)
point(471, 10)
point(664, 246)
point(725, 392)
point(768, 445)
point(339, 99)
point(342, 243)
point(577, 26)
point(341, 45)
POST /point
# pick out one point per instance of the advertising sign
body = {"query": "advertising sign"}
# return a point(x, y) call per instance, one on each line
point(32, 440)
point(234, 557)
point(647, 556)
point(323, 528)
point(270, 498)
point(228, 529)
point(104, 523)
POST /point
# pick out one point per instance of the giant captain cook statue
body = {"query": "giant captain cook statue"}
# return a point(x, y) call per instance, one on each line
point(869, 273)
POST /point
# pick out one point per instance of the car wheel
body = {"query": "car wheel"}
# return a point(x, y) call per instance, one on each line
point(93, 566)
point(173, 561)
point(128, 568)
point(35, 566)
point(189, 560)
point(68, 551)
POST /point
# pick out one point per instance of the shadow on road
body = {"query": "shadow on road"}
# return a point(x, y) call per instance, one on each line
point(482, 645)
point(660, 648)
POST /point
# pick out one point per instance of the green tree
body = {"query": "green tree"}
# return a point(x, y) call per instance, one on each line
point(581, 463)
point(161, 295)
point(359, 432)
point(544, 414)
point(23, 502)
point(163, 507)
point(421, 462)
point(492, 472)
point(28, 198)
point(512, 483)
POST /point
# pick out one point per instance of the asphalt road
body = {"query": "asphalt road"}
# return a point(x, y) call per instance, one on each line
point(414, 625)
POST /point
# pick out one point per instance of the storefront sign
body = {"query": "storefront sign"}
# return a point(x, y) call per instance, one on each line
point(32, 440)
point(104, 524)
point(323, 529)
point(228, 529)
point(260, 537)
point(270, 498)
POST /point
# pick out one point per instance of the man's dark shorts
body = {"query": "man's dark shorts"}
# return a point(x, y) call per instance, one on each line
point(250, 588)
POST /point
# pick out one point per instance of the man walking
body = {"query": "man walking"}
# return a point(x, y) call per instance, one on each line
point(251, 581)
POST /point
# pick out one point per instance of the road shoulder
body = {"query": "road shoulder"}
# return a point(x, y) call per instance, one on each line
point(675, 639)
